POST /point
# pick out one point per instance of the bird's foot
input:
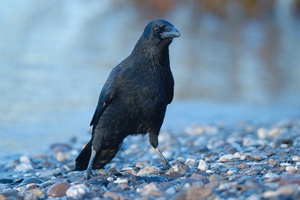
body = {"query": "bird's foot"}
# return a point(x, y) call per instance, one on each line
point(167, 164)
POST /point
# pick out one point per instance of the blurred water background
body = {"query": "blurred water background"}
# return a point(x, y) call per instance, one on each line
point(237, 60)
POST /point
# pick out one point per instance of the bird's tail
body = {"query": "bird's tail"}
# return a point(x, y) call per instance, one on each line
point(103, 156)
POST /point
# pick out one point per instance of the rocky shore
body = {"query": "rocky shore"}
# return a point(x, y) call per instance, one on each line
point(216, 161)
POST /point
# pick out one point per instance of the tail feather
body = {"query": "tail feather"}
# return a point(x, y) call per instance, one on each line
point(83, 158)
point(103, 156)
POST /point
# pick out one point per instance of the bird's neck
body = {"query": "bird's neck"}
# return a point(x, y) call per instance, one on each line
point(155, 55)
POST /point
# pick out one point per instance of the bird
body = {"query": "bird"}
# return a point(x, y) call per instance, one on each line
point(133, 99)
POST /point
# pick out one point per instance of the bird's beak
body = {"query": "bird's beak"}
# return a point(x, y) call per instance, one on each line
point(170, 32)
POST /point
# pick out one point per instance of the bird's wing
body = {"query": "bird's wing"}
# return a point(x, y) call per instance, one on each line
point(106, 96)
point(171, 91)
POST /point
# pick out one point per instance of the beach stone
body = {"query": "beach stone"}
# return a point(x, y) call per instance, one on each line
point(149, 188)
point(226, 158)
point(25, 159)
point(198, 192)
point(253, 171)
point(291, 170)
point(262, 133)
point(203, 166)
point(23, 167)
point(171, 190)
point(242, 165)
point(10, 194)
point(148, 171)
point(259, 157)
point(58, 189)
point(175, 175)
point(30, 180)
point(6, 181)
point(111, 195)
point(190, 161)
point(77, 191)
point(183, 168)
point(290, 179)
point(296, 158)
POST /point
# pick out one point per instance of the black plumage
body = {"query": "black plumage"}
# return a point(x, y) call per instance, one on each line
point(134, 98)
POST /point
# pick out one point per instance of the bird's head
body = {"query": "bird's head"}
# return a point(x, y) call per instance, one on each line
point(160, 31)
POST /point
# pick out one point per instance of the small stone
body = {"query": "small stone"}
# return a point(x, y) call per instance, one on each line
point(287, 190)
point(181, 159)
point(182, 168)
point(259, 157)
point(272, 162)
point(290, 179)
point(236, 155)
point(25, 159)
point(171, 190)
point(262, 133)
point(30, 180)
point(190, 161)
point(198, 192)
point(121, 180)
point(253, 171)
point(175, 175)
point(149, 188)
point(202, 165)
point(275, 132)
point(148, 171)
point(76, 191)
point(10, 194)
point(295, 158)
point(23, 167)
point(242, 166)
point(226, 158)
point(58, 189)
point(231, 172)
point(291, 169)
point(111, 195)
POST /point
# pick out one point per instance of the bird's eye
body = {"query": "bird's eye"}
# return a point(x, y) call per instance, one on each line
point(156, 28)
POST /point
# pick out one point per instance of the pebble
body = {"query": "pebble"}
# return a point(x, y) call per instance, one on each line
point(148, 171)
point(77, 191)
point(58, 189)
point(226, 158)
point(23, 167)
point(203, 166)
point(291, 170)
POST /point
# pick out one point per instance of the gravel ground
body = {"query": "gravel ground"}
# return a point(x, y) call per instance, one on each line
point(217, 161)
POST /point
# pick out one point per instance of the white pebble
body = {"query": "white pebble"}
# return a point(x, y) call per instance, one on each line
point(23, 167)
point(262, 133)
point(202, 165)
point(121, 180)
point(110, 178)
point(237, 155)
point(77, 191)
point(291, 169)
point(231, 172)
point(295, 158)
point(190, 161)
point(226, 158)
point(25, 159)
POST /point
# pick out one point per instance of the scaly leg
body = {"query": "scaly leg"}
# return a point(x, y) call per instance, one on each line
point(90, 165)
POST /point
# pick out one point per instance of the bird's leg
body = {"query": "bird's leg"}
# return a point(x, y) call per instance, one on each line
point(163, 158)
point(153, 138)
point(90, 165)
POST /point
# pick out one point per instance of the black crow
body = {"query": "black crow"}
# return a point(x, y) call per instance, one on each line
point(134, 98)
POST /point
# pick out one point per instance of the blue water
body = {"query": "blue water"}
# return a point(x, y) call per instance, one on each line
point(55, 57)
